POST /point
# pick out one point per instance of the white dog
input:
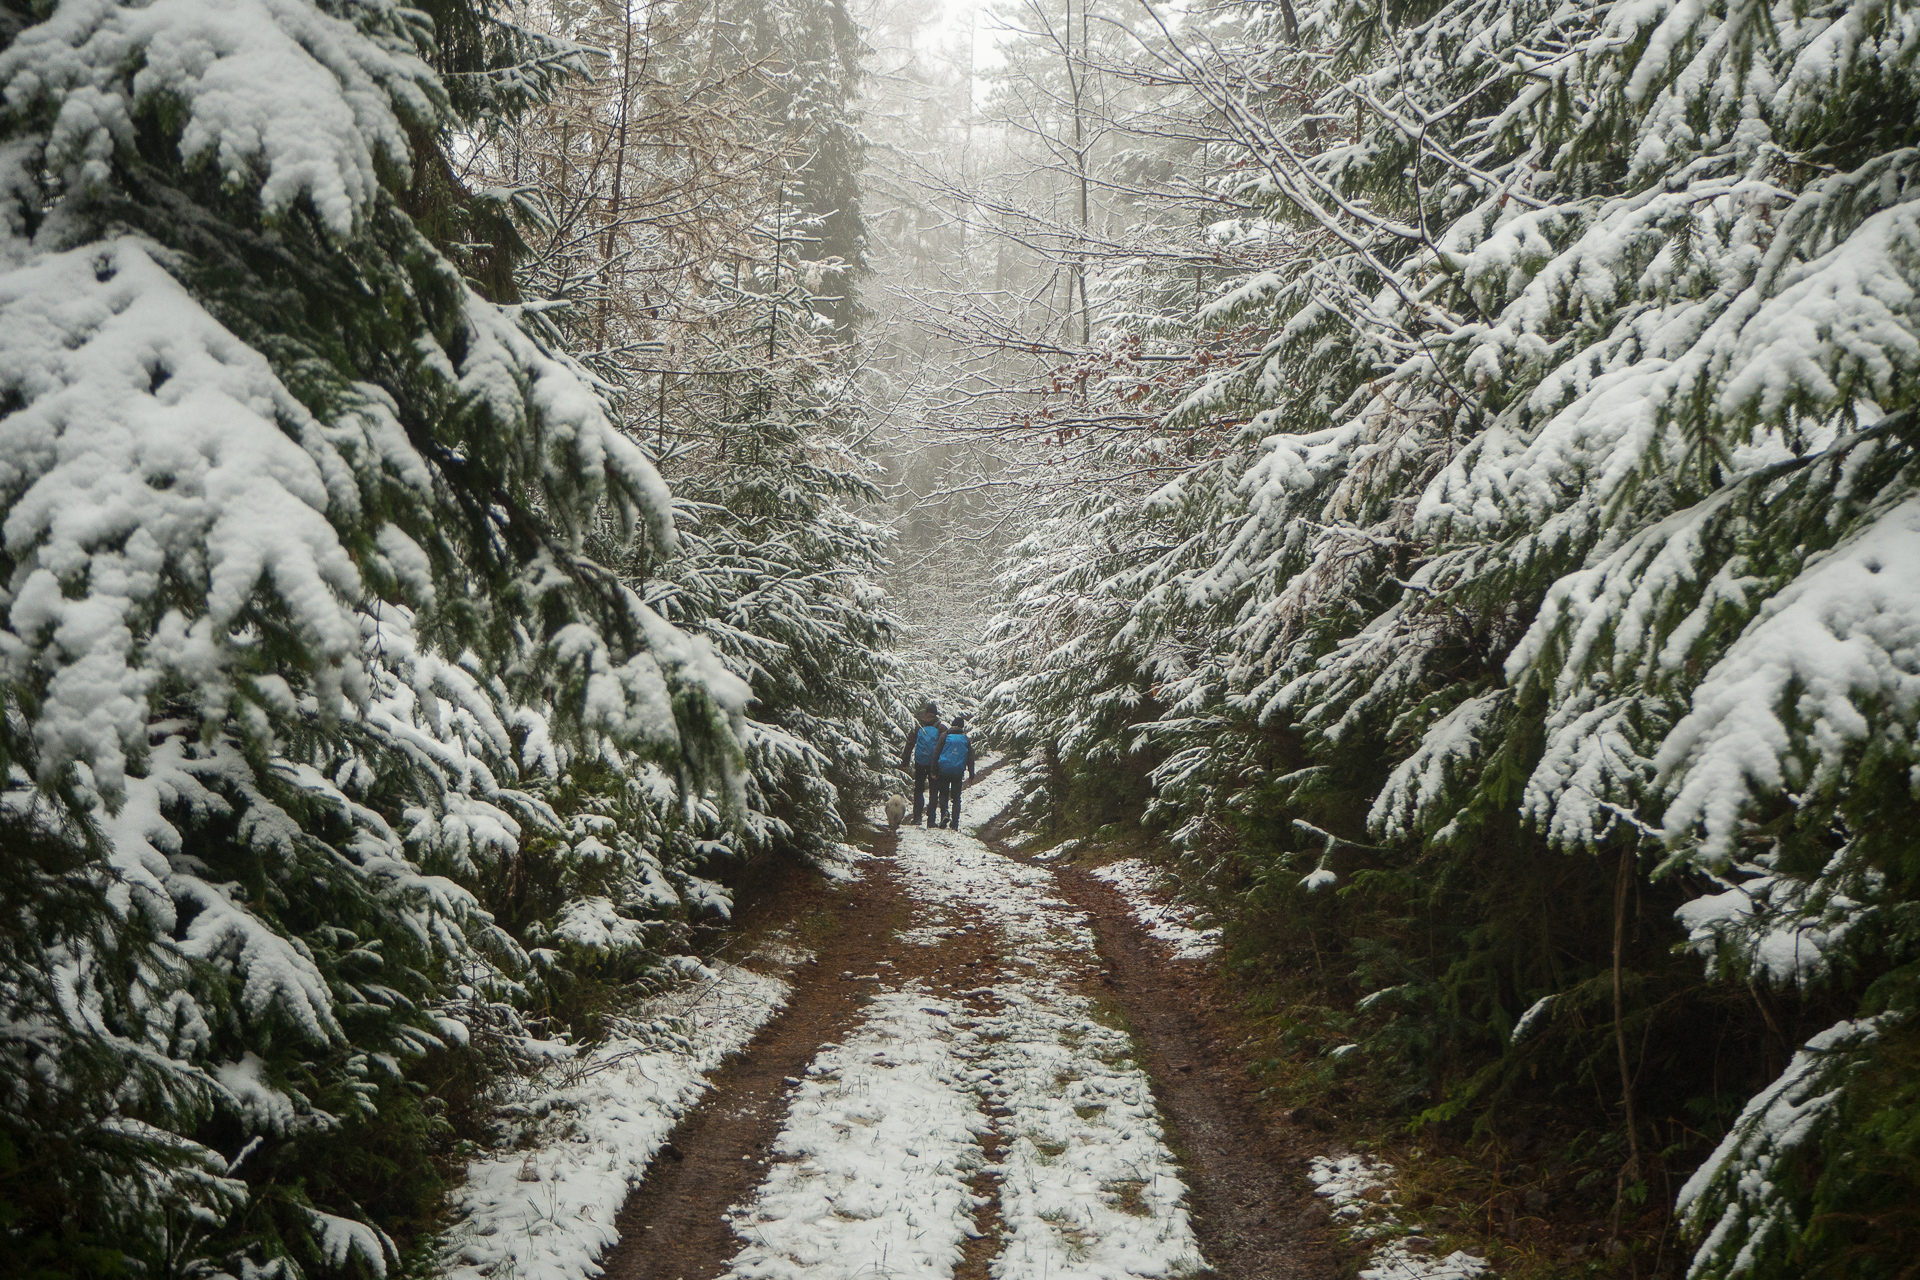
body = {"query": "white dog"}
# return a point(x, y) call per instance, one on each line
point(896, 810)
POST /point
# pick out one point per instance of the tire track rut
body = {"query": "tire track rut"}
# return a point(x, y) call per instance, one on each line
point(1252, 1210)
point(674, 1224)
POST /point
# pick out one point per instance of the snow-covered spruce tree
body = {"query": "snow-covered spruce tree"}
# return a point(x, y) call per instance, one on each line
point(634, 192)
point(295, 607)
point(1095, 639)
point(1068, 688)
point(1688, 372)
point(779, 571)
point(809, 52)
point(678, 228)
point(1082, 668)
point(1735, 660)
point(777, 568)
point(1579, 490)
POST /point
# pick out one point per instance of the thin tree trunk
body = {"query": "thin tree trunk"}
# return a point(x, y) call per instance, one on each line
point(779, 227)
point(1623, 881)
point(619, 172)
point(1077, 85)
point(1293, 38)
point(968, 210)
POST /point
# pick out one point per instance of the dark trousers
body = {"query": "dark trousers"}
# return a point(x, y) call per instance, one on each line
point(946, 811)
point(923, 777)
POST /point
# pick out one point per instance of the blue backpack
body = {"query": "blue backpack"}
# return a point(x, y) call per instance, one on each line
point(953, 755)
point(925, 743)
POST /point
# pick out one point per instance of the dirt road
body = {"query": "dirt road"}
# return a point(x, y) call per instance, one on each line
point(987, 1071)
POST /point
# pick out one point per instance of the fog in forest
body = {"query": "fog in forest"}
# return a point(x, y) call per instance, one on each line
point(526, 524)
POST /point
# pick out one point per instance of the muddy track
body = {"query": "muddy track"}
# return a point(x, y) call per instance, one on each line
point(1253, 1211)
point(673, 1226)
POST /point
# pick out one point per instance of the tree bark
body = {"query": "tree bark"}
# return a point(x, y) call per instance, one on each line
point(619, 171)
point(1076, 88)
point(1629, 1172)
point(1293, 37)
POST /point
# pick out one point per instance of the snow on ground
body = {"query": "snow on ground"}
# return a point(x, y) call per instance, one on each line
point(1168, 921)
point(1363, 1203)
point(841, 864)
point(982, 801)
point(1395, 1261)
point(541, 1206)
point(1346, 1180)
point(881, 1138)
point(874, 1160)
point(1060, 851)
point(1088, 1187)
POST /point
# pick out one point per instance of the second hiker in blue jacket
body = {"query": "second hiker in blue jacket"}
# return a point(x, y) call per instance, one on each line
point(953, 760)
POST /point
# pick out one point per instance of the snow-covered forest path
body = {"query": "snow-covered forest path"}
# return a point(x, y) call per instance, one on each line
point(959, 1086)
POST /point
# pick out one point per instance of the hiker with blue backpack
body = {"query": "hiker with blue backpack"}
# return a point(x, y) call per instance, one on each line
point(921, 750)
point(952, 759)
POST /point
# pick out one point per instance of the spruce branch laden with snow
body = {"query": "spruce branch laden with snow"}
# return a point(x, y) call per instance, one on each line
point(1571, 510)
point(302, 644)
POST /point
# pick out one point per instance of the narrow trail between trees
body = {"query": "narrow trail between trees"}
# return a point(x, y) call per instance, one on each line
point(985, 1071)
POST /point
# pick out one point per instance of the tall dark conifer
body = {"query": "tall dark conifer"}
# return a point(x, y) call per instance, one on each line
point(1564, 565)
point(807, 54)
point(301, 646)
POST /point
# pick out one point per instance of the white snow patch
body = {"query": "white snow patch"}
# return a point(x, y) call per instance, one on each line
point(1060, 851)
point(1535, 1013)
point(288, 97)
point(953, 872)
point(1782, 709)
point(881, 1139)
point(874, 1160)
point(1088, 1187)
point(929, 935)
point(1346, 1181)
point(841, 864)
point(542, 1205)
point(1168, 921)
point(1397, 1262)
point(981, 802)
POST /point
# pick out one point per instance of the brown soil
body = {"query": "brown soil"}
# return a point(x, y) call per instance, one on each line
point(1253, 1212)
point(673, 1225)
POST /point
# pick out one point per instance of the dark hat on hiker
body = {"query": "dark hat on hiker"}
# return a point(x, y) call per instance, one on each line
point(959, 722)
point(928, 711)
